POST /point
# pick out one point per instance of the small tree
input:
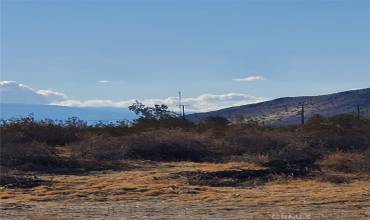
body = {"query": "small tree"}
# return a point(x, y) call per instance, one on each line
point(140, 109)
point(161, 112)
point(157, 112)
point(157, 116)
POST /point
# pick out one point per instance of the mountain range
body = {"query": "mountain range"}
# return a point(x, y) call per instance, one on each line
point(281, 111)
point(285, 111)
point(90, 115)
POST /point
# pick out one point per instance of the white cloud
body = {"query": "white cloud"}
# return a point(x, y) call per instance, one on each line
point(202, 103)
point(103, 81)
point(52, 95)
point(95, 103)
point(13, 92)
point(249, 79)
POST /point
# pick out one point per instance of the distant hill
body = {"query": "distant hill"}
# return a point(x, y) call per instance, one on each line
point(91, 115)
point(284, 111)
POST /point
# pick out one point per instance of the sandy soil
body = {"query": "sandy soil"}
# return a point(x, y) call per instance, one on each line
point(152, 191)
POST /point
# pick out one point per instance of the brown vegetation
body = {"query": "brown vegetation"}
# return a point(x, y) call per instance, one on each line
point(347, 162)
point(160, 161)
point(158, 135)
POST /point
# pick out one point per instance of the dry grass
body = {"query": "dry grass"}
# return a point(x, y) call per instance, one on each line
point(157, 182)
point(347, 162)
point(110, 185)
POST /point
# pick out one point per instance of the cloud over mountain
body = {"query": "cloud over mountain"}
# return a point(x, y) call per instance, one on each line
point(202, 103)
point(210, 102)
point(13, 92)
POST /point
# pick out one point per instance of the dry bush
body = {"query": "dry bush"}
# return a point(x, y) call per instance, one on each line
point(51, 132)
point(257, 142)
point(339, 133)
point(158, 145)
point(168, 145)
point(25, 142)
point(29, 156)
point(294, 160)
point(98, 147)
point(347, 162)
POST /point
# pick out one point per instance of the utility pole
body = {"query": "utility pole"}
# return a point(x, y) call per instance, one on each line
point(180, 105)
point(302, 114)
point(183, 111)
point(358, 111)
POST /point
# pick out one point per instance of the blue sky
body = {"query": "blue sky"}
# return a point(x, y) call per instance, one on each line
point(148, 50)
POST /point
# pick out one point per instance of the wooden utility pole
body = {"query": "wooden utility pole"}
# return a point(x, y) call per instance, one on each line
point(302, 114)
point(183, 111)
point(358, 111)
point(180, 105)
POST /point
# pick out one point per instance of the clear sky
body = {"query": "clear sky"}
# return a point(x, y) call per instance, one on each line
point(122, 50)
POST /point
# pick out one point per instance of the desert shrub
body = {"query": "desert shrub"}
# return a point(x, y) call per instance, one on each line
point(347, 162)
point(163, 137)
point(29, 156)
point(257, 142)
point(168, 145)
point(159, 145)
point(339, 133)
point(51, 132)
point(294, 160)
point(147, 124)
point(115, 129)
point(218, 125)
point(98, 147)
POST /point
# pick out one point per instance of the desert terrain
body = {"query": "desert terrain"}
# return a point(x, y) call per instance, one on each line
point(149, 190)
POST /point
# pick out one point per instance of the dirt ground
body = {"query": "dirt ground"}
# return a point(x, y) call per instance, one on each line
point(155, 191)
